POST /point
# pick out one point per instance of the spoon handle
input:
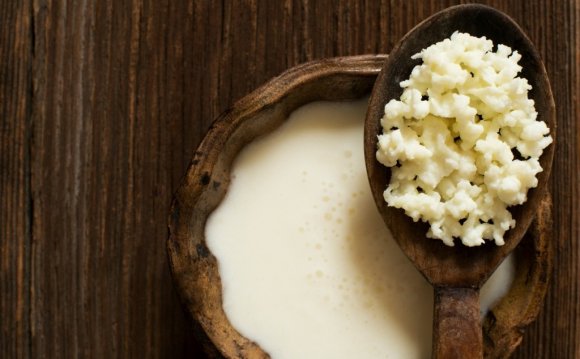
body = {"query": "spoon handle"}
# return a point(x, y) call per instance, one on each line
point(457, 329)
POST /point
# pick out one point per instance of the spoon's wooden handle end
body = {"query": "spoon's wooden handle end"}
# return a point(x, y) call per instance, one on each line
point(457, 324)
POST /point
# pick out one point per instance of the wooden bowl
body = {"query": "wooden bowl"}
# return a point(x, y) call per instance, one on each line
point(194, 268)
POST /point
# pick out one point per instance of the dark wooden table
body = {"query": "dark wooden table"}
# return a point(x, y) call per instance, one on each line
point(102, 103)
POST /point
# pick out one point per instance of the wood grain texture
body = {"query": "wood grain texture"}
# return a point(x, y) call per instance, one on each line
point(102, 103)
point(105, 122)
point(457, 324)
point(15, 205)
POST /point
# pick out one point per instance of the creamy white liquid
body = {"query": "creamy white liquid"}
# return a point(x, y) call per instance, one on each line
point(307, 266)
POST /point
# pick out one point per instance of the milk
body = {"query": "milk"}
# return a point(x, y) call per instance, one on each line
point(308, 268)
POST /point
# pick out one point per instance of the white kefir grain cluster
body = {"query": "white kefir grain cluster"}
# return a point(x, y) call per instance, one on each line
point(463, 141)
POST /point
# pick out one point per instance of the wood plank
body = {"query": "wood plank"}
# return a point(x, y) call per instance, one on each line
point(102, 179)
point(553, 27)
point(15, 205)
point(102, 103)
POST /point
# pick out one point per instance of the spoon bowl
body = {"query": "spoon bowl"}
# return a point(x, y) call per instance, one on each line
point(457, 272)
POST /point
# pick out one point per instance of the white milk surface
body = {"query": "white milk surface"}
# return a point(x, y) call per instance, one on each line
point(308, 268)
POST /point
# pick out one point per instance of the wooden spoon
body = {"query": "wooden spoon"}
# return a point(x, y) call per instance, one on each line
point(457, 272)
